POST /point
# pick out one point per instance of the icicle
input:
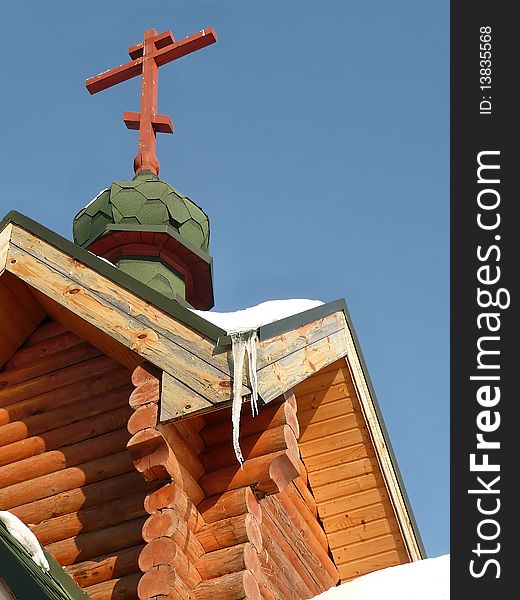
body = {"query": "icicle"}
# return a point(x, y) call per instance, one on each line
point(242, 342)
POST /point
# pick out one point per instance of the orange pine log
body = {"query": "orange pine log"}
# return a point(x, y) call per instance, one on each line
point(252, 446)
point(170, 523)
point(164, 551)
point(65, 415)
point(143, 417)
point(230, 532)
point(69, 434)
point(68, 456)
point(144, 373)
point(163, 583)
point(78, 391)
point(185, 454)
point(88, 545)
point(270, 416)
point(229, 587)
point(31, 354)
point(307, 496)
point(230, 504)
point(76, 498)
point(146, 393)
point(171, 495)
point(90, 519)
point(106, 567)
point(275, 470)
point(124, 588)
point(48, 364)
point(277, 545)
point(301, 516)
point(279, 579)
point(68, 479)
point(324, 574)
point(45, 331)
point(53, 381)
point(229, 560)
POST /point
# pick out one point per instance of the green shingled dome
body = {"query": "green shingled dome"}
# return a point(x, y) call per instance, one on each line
point(146, 200)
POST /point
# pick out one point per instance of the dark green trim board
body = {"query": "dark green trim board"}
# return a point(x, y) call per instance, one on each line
point(27, 580)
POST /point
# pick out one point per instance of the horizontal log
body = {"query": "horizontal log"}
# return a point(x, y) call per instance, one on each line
point(171, 495)
point(252, 446)
point(269, 417)
point(53, 381)
point(185, 454)
point(79, 391)
point(69, 434)
point(63, 416)
point(277, 468)
point(291, 510)
point(48, 364)
point(169, 523)
point(147, 392)
point(124, 588)
point(279, 579)
point(230, 504)
point(309, 553)
point(164, 551)
point(143, 417)
point(31, 354)
point(75, 499)
point(88, 545)
point(162, 583)
point(145, 373)
point(279, 550)
point(68, 479)
point(229, 587)
point(90, 519)
point(229, 560)
point(68, 456)
point(45, 331)
point(230, 532)
point(106, 567)
point(302, 517)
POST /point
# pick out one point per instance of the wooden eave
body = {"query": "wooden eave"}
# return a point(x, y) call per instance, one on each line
point(193, 354)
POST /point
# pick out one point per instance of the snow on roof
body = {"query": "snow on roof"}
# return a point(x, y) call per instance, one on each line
point(25, 537)
point(427, 579)
point(256, 316)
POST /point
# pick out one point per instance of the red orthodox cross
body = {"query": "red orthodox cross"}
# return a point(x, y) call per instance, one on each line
point(157, 49)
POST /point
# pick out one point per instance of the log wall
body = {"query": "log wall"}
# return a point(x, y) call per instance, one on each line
point(344, 475)
point(64, 467)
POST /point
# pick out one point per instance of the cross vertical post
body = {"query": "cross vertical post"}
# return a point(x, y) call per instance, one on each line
point(155, 50)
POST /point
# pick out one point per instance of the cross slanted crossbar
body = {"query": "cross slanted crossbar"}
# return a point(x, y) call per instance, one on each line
point(155, 50)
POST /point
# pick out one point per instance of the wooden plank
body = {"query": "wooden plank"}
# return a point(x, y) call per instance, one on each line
point(334, 442)
point(178, 400)
point(335, 513)
point(88, 332)
point(294, 368)
point(341, 423)
point(274, 349)
point(337, 457)
point(324, 380)
point(153, 334)
point(359, 550)
point(361, 533)
point(320, 411)
point(346, 470)
point(359, 516)
point(346, 487)
point(368, 564)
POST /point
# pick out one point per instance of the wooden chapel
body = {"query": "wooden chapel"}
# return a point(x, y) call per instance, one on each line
point(115, 424)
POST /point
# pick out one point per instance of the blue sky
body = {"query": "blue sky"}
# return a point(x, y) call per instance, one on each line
point(315, 135)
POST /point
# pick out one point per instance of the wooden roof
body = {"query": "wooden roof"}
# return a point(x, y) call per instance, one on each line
point(343, 443)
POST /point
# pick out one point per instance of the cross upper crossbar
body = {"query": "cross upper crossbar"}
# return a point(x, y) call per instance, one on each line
point(155, 50)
